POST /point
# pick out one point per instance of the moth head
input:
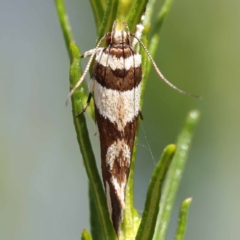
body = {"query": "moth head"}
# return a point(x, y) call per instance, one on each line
point(117, 37)
point(120, 37)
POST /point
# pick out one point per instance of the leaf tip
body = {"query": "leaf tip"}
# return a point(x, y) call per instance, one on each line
point(187, 201)
point(171, 147)
point(194, 115)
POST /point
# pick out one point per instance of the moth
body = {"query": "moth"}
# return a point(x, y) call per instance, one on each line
point(116, 87)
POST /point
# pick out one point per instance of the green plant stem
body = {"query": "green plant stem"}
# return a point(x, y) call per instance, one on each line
point(68, 37)
point(131, 218)
point(109, 17)
point(86, 149)
point(123, 5)
point(158, 25)
point(155, 38)
point(97, 196)
point(95, 224)
point(81, 126)
point(138, 8)
point(174, 175)
point(147, 226)
point(149, 12)
point(145, 62)
point(182, 219)
point(98, 11)
point(65, 25)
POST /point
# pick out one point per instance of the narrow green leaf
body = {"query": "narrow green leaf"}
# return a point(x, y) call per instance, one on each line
point(158, 25)
point(98, 12)
point(86, 148)
point(96, 230)
point(147, 226)
point(109, 17)
point(145, 62)
point(135, 14)
point(149, 12)
point(86, 235)
point(123, 10)
point(175, 174)
point(81, 128)
point(64, 22)
point(182, 219)
point(154, 40)
point(68, 37)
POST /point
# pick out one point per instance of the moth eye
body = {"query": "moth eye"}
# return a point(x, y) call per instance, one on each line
point(108, 40)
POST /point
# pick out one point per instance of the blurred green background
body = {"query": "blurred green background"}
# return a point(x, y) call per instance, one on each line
point(43, 185)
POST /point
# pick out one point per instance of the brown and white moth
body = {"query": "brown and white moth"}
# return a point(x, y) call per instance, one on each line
point(116, 86)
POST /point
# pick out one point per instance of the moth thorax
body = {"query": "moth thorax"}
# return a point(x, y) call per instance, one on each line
point(120, 37)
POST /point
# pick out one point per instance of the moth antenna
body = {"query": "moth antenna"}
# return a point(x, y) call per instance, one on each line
point(113, 30)
point(126, 26)
point(161, 75)
point(128, 31)
point(86, 69)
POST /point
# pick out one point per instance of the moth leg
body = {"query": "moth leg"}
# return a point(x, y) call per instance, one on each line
point(90, 52)
point(86, 105)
